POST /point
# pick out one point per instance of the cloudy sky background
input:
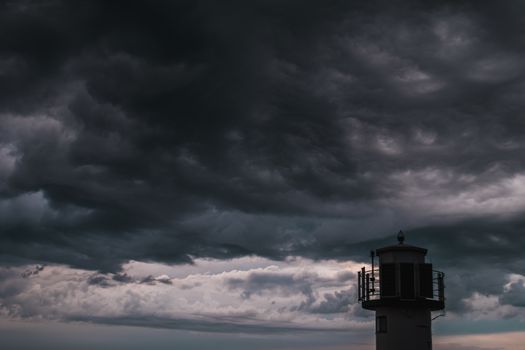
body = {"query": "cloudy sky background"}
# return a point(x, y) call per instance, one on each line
point(213, 173)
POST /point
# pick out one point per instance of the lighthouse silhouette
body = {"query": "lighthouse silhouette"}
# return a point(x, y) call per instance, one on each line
point(403, 292)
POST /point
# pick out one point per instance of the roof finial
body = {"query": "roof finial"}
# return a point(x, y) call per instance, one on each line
point(400, 237)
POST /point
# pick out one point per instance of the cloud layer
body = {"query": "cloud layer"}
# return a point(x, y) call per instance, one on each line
point(253, 295)
point(128, 131)
point(172, 133)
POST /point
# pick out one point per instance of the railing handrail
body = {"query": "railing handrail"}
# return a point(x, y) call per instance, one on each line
point(369, 286)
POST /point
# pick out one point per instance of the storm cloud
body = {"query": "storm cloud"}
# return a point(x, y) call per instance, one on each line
point(176, 131)
point(169, 132)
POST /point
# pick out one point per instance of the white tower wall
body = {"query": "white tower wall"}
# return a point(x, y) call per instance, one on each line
point(406, 329)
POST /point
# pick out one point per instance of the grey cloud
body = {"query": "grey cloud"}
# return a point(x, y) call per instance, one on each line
point(190, 286)
point(452, 346)
point(264, 282)
point(337, 302)
point(33, 271)
point(169, 131)
point(63, 294)
point(100, 280)
point(515, 295)
point(174, 131)
point(344, 276)
point(304, 285)
point(204, 325)
point(122, 277)
point(148, 280)
point(111, 280)
point(151, 280)
point(163, 279)
point(10, 284)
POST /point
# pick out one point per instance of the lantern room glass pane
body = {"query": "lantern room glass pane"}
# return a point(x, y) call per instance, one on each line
point(425, 280)
point(407, 281)
point(387, 277)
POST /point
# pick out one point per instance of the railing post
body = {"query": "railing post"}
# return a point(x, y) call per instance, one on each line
point(363, 293)
point(359, 297)
point(367, 286)
point(441, 286)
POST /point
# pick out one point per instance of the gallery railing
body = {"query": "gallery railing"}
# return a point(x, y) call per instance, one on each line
point(369, 286)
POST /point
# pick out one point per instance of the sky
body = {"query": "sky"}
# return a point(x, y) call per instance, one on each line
point(212, 174)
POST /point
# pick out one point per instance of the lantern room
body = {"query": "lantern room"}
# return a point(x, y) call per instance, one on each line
point(403, 277)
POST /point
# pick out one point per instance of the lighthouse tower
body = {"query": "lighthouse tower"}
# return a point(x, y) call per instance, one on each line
point(402, 291)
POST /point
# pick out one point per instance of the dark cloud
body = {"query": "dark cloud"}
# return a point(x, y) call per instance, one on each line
point(122, 277)
point(264, 282)
point(234, 325)
point(174, 130)
point(33, 271)
point(515, 295)
point(100, 280)
point(10, 285)
point(303, 285)
point(337, 302)
point(112, 280)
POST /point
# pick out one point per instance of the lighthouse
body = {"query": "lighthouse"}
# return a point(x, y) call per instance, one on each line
point(403, 290)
